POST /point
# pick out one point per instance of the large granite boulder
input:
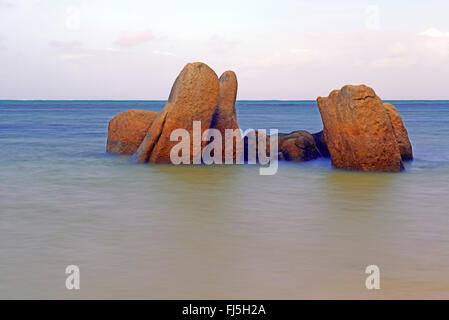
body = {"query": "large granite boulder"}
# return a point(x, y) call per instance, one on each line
point(127, 130)
point(297, 146)
point(405, 147)
point(193, 97)
point(358, 130)
point(225, 116)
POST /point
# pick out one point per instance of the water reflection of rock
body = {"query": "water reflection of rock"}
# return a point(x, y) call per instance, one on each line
point(360, 204)
point(199, 186)
point(358, 191)
point(360, 220)
point(199, 195)
point(200, 212)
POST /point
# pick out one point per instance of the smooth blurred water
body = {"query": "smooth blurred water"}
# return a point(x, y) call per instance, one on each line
point(209, 232)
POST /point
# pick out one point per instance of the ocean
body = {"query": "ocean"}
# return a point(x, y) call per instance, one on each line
point(215, 232)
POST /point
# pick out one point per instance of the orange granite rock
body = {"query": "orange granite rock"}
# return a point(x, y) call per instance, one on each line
point(298, 146)
point(405, 147)
point(225, 116)
point(127, 130)
point(358, 130)
point(193, 97)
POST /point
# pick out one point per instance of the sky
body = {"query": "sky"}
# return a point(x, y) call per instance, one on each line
point(288, 50)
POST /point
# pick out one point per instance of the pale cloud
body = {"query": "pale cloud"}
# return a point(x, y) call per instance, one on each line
point(434, 33)
point(299, 51)
point(70, 50)
point(396, 64)
point(278, 49)
point(71, 57)
point(5, 4)
point(163, 53)
point(368, 48)
point(66, 45)
point(130, 39)
point(397, 49)
point(220, 44)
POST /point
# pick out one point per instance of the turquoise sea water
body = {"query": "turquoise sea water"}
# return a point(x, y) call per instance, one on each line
point(141, 231)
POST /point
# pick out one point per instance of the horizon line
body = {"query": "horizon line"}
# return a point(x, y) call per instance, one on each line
point(238, 100)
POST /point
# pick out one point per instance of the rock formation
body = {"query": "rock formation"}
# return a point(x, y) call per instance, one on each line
point(225, 116)
point(193, 97)
point(127, 130)
point(358, 130)
point(400, 132)
point(297, 146)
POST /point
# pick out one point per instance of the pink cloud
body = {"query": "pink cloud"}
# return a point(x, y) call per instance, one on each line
point(130, 39)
